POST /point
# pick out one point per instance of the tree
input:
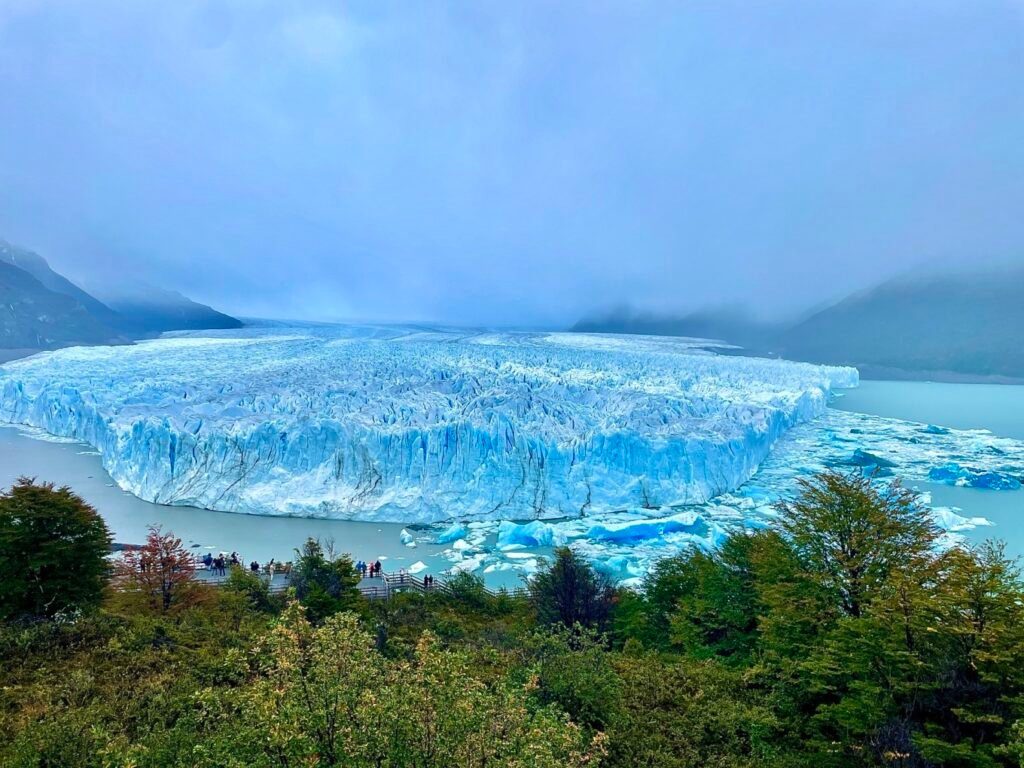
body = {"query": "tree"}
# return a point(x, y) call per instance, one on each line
point(322, 696)
point(161, 570)
point(717, 607)
point(851, 534)
point(569, 591)
point(53, 550)
point(324, 584)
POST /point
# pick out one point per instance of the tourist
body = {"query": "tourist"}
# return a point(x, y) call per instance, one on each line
point(208, 561)
point(234, 559)
point(254, 567)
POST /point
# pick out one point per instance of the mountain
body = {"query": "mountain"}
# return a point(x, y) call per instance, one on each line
point(147, 310)
point(734, 326)
point(34, 317)
point(947, 326)
point(42, 309)
point(38, 267)
point(959, 324)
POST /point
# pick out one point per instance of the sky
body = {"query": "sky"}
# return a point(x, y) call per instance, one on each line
point(510, 163)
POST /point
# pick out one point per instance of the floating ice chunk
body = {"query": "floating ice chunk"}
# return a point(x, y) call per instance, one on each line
point(452, 533)
point(461, 545)
point(634, 530)
point(407, 538)
point(467, 564)
point(948, 520)
point(954, 474)
point(418, 566)
point(533, 534)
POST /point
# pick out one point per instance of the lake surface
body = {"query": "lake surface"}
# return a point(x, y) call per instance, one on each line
point(999, 409)
point(253, 537)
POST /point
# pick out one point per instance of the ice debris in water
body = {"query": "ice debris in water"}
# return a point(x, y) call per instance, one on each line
point(954, 474)
point(418, 425)
point(532, 534)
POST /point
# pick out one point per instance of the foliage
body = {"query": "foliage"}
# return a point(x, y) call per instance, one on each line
point(161, 572)
point(820, 645)
point(324, 582)
point(569, 591)
point(573, 670)
point(851, 534)
point(53, 549)
point(323, 696)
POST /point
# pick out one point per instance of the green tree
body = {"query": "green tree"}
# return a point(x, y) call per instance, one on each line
point(681, 713)
point(324, 697)
point(851, 533)
point(53, 549)
point(325, 584)
point(574, 671)
point(569, 591)
point(717, 609)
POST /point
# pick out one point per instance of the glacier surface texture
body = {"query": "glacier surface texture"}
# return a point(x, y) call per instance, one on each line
point(423, 426)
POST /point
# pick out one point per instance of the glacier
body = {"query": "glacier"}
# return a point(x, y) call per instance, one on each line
point(420, 425)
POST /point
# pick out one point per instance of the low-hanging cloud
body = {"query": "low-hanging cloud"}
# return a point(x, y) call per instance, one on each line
point(510, 163)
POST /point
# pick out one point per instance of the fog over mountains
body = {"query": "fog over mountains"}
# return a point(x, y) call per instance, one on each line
point(951, 325)
point(41, 309)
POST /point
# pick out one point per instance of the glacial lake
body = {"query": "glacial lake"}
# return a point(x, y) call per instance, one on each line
point(998, 408)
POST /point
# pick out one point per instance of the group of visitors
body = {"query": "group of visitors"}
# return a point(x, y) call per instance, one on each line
point(218, 565)
point(368, 570)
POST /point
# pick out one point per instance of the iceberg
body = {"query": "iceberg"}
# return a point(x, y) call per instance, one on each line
point(954, 474)
point(532, 534)
point(455, 532)
point(418, 425)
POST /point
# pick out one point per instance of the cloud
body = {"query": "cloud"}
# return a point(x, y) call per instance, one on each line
point(509, 163)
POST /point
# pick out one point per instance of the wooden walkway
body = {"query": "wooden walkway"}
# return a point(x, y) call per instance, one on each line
point(382, 587)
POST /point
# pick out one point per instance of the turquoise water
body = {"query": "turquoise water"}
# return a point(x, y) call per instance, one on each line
point(997, 408)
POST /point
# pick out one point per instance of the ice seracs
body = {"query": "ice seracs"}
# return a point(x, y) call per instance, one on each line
point(418, 425)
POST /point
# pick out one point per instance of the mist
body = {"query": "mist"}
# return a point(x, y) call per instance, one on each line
point(511, 164)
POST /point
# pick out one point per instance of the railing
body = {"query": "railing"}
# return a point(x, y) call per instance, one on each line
point(384, 586)
point(381, 587)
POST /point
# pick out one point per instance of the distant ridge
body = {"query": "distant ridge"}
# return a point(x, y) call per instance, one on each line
point(38, 267)
point(955, 323)
point(33, 317)
point(146, 310)
point(953, 326)
point(41, 309)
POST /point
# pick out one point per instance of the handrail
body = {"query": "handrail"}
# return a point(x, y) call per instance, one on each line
point(380, 587)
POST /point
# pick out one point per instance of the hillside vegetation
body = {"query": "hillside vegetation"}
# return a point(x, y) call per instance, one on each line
point(844, 638)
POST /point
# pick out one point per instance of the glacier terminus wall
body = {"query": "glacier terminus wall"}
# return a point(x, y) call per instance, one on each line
point(418, 425)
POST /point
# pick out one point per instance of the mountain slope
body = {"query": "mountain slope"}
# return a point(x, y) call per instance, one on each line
point(38, 267)
point(34, 317)
point(133, 310)
point(963, 324)
point(733, 326)
point(147, 310)
point(948, 326)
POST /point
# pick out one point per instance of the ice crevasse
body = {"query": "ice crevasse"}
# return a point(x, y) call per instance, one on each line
point(412, 425)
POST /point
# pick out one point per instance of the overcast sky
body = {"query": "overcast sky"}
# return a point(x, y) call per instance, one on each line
point(510, 162)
